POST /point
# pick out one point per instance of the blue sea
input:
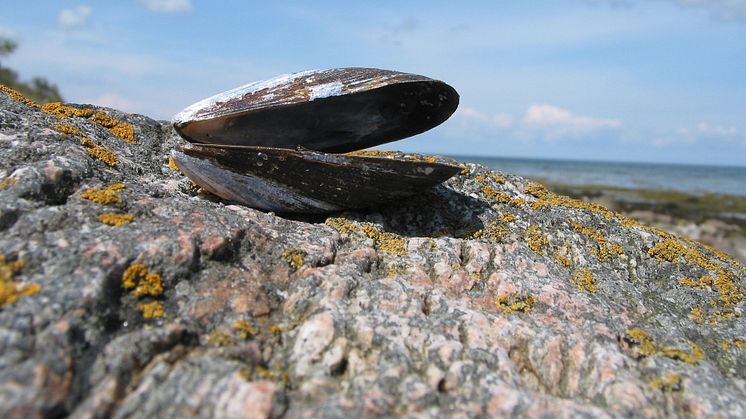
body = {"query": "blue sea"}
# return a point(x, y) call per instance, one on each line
point(683, 178)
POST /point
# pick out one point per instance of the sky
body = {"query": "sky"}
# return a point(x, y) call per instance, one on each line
point(613, 80)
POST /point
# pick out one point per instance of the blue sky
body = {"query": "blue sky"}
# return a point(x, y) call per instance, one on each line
point(625, 80)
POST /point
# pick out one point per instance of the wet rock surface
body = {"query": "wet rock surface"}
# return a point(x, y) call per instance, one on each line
point(125, 292)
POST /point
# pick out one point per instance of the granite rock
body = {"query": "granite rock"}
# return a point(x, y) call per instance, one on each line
point(127, 292)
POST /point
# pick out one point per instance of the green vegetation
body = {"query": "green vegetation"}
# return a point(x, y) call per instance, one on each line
point(38, 89)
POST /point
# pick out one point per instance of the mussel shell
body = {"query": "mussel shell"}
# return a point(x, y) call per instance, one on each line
point(336, 110)
point(302, 181)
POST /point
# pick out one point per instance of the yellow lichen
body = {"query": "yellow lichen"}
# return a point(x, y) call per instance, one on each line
point(536, 240)
point(7, 183)
point(512, 303)
point(679, 355)
point(10, 290)
point(151, 310)
point(583, 279)
point(643, 340)
point(244, 329)
point(703, 281)
point(18, 96)
point(602, 249)
point(507, 218)
point(670, 382)
point(65, 111)
point(124, 131)
point(102, 118)
point(108, 195)
point(218, 338)
point(455, 266)
point(172, 164)
point(142, 282)
point(116, 220)
point(493, 232)
point(67, 129)
point(99, 152)
point(294, 257)
point(384, 240)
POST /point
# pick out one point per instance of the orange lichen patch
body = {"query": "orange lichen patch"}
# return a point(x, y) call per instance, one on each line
point(643, 341)
point(142, 282)
point(108, 195)
point(583, 279)
point(172, 164)
point(703, 281)
point(102, 118)
point(116, 220)
point(668, 383)
point(678, 355)
point(731, 293)
point(99, 152)
point(7, 182)
point(384, 240)
point(507, 218)
point(151, 310)
point(67, 129)
point(123, 130)
point(465, 170)
point(514, 303)
point(563, 255)
point(18, 96)
point(10, 290)
point(737, 343)
point(602, 249)
point(537, 190)
point(536, 240)
point(294, 257)
point(493, 232)
point(494, 195)
point(244, 329)
point(65, 111)
point(393, 155)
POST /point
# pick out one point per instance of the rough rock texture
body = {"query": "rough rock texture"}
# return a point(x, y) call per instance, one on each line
point(488, 295)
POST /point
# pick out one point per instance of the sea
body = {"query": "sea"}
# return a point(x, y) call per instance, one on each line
point(691, 179)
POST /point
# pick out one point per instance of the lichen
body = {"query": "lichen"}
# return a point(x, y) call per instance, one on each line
point(536, 240)
point(142, 282)
point(99, 152)
point(507, 218)
point(647, 347)
point(219, 338)
point(294, 257)
point(116, 220)
point(244, 329)
point(384, 240)
point(515, 303)
point(65, 111)
point(10, 290)
point(668, 383)
point(15, 95)
point(493, 232)
point(151, 310)
point(172, 164)
point(584, 280)
point(67, 129)
point(602, 247)
point(106, 196)
point(7, 183)
point(643, 341)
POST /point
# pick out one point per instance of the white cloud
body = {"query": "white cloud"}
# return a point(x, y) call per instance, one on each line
point(471, 115)
point(702, 132)
point(556, 122)
point(722, 9)
point(168, 6)
point(74, 18)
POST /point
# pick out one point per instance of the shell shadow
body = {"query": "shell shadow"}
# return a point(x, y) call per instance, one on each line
point(437, 212)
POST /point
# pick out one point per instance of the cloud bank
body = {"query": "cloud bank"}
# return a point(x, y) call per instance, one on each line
point(168, 6)
point(74, 18)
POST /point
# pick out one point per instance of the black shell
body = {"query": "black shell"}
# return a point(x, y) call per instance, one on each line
point(335, 111)
point(266, 144)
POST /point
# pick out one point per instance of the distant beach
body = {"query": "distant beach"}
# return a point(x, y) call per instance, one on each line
point(689, 179)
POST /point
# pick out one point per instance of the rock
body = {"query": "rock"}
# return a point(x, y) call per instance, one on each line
point(126, 292)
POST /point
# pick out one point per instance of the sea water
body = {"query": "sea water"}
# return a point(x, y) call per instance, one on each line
point(690, 179)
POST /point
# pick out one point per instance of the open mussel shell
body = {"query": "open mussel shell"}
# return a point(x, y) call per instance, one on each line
point(335, 111)
point(302, 181)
